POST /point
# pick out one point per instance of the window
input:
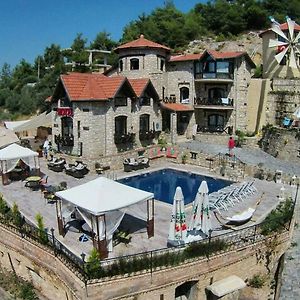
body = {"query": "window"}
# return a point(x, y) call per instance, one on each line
point(222, 67)
point(121, 125)
point(85, 109)
point(162, 64)
point(145, 101)
point(78, 129)
point(120, 101)
point(86, 128)
point(209, 67)
point(184, 95)
point(121, 65)
point(216, 120)
point(215, 93)
point(134, 64)
point(66, 126)
point(144, 123)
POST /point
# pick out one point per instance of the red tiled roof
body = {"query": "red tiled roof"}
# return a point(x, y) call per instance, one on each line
point(141, 42)
point(283, 26)
point(139, 85)
point(220, 55)
point(185, 57)
point(176, 106)
point(85, 86)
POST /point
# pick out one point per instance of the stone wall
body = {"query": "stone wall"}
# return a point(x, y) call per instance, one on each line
point(281, 143)
point(56, 281)
point(282, 100)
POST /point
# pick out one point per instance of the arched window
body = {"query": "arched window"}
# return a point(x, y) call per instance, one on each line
point(184, 95)
point(216, 120)
point(144, 123)
point(134, 64)
point(120, 125)
point(121, 65)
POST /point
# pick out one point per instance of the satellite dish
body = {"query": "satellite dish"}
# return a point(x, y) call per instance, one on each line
point(287, 44)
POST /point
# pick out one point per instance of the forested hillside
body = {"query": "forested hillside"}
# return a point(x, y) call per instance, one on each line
point(23, 90)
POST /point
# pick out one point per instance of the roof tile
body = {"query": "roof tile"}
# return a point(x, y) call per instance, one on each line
point(141, 42)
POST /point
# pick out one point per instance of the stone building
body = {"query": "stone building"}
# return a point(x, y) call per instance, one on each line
point(98, 115)
point(208, 89)
point(150, 90)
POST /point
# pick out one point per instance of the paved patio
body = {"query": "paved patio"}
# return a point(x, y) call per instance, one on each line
point(32, 202)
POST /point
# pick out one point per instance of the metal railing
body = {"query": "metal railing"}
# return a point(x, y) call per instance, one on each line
point(149, 261)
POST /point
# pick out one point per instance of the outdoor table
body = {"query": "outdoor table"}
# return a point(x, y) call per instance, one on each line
point(193, 155)
point(33, 182)
point(33, 179)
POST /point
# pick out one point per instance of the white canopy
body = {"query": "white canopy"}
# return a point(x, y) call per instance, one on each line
point(10, 155)
point(103, 195)
point(43, 119)
point(7, 137)
point(13, 124)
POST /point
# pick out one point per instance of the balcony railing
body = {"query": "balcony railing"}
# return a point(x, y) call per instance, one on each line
point(214, 101)
point(214, 76)
point(124, 138)
point(67, 140)
point(171, 99)
point(147, 135)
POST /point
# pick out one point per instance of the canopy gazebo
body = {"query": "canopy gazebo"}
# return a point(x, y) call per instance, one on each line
point(10, 157)
point(102, 203)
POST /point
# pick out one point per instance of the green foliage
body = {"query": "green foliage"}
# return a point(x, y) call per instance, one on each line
point(278, 218)
point(16, 215)
point(93, 266)
point(4, 208)
point(204, 249)
point(17, 286)
point(258, 72)
point(42, 233)
point(240, 138)
point(257, 281)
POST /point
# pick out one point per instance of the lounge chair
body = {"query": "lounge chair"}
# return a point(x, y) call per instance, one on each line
point(130, 164)
point(70, 169)
point(98, 168)
point(57, 165)
point(143, 162)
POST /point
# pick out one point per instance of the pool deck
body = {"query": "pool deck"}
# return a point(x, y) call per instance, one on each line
point(32, 202)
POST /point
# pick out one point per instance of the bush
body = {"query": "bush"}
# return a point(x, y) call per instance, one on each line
point(93, 266)
point(16, 216)
point(42, 232)
point(257, 281)
point(278, 218)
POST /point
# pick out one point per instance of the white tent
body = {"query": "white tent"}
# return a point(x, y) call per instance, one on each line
point(7, 137)
point(13, 124)
point(102, 203)
point(10, 156)
point(43, 119)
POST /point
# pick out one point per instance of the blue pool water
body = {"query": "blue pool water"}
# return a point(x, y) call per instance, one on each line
point(163, 184)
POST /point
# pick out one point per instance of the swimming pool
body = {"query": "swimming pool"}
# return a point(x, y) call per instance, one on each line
point(164, 182)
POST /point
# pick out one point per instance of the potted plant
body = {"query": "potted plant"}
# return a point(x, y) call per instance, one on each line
point(184, 158)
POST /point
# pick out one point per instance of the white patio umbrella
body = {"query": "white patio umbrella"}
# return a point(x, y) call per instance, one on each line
point(178, 229)
point(196, 217)
point(206, 218)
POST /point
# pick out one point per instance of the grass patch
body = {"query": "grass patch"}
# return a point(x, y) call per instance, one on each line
point(257, 281)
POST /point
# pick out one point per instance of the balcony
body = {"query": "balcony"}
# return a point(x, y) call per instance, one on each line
point(214, 77)
point(217, 103)
point(127, 138)
point(65, 141)
point(171, 99)
point(147, 135)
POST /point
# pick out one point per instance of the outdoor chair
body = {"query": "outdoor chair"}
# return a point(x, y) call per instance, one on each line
point(71, 170)
point(57, 165)
point(98, 168)
point(130, 164)
point(143, 162)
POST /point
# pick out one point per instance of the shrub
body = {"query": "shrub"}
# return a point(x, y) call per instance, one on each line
point(257, 281)
point(42, 232)
point(278, 218)
point(93, 266)
point(16, 215)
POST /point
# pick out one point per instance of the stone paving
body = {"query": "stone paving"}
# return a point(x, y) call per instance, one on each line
point(32, 202)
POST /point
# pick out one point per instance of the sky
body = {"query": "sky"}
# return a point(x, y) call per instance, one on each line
point(27, 27)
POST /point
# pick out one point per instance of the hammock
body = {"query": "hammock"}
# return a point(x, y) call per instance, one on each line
point(238, 219)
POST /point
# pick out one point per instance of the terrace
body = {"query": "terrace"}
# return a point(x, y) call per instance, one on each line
point(31, 202)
